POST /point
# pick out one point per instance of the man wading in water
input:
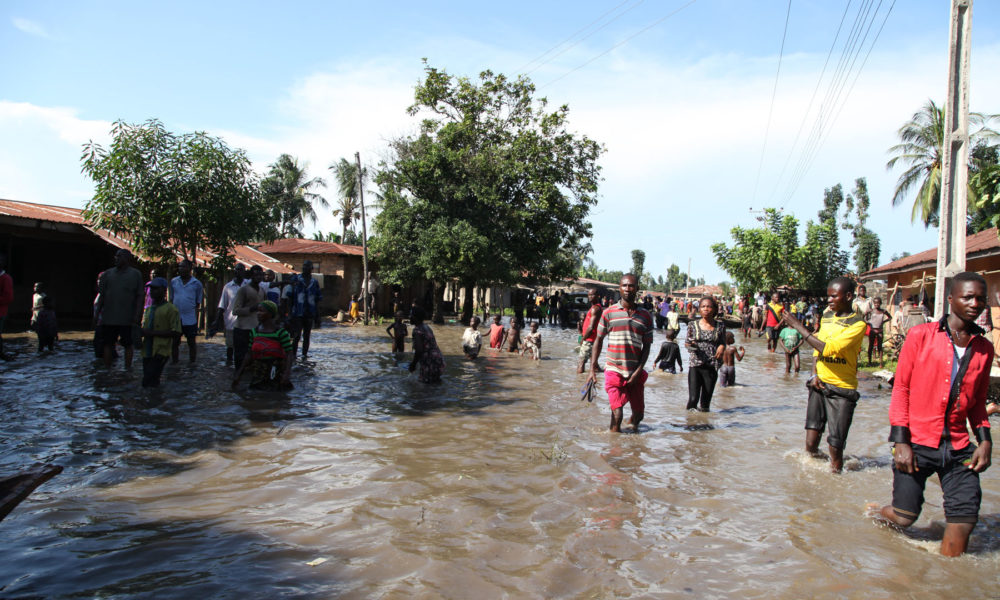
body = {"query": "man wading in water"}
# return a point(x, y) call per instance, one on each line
point(941, 384)
point(833, 387)
point(629, 330)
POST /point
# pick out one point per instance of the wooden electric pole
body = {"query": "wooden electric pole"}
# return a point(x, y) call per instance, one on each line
point(955, 151)
point(364, 235)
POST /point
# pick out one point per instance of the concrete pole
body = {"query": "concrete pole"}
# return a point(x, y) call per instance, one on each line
point(955, 151)
point(364, 235)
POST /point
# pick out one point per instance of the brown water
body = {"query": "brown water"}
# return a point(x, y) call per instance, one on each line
point(497, 483)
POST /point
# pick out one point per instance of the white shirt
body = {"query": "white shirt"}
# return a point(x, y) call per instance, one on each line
point(226, 303)
point(472, 337)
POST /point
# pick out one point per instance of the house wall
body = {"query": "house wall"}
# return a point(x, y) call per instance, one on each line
point(342, 276)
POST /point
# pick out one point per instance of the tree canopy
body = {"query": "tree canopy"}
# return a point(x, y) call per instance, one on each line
point(493, 189)
point(287, 190)
point(172, 194)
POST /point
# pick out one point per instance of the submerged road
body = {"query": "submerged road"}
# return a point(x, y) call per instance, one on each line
point(499, 482)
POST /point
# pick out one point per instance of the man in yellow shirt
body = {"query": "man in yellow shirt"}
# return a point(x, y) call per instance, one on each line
point(833, 388)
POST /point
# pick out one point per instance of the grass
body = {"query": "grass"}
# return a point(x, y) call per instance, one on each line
point(871, 367)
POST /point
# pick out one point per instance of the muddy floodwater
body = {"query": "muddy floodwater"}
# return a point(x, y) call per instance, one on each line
point(498, 483)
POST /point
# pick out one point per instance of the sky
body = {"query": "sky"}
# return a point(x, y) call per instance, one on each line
point(700, 123)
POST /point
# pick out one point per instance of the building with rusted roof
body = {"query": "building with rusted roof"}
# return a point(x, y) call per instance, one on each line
point(340, 265)
point(56, 245)
point(916, 275)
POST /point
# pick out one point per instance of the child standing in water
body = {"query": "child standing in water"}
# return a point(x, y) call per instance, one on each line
point(669, 354)
point(727, 372)
point(533, 342)
point(426, 353)
point(160, 325)
point(397, 331)
point(790, 341)
point(472, 340)
point(45, 326)
point(355, 311)
point(514, 336)
point(497, 334)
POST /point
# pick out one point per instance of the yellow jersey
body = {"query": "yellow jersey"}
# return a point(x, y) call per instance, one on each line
point(843, 336)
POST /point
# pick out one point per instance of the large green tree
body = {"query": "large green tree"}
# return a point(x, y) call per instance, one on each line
point(820, 258)
point(762, 258)
point(920, 154)
point(172, 194)
point(494, 189)
point(288, 190)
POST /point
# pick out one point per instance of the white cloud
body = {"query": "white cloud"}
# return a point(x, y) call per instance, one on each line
point(30, 27)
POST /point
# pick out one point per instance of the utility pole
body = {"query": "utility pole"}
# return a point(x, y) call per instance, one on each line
point(364, 235)
point(955, 163)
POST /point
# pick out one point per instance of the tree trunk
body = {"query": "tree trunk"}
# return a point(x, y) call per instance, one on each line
point(517, 299)
point(438, 301)
point(467, 304)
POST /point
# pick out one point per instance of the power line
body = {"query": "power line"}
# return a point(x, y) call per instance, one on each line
point(805, 116)
point(774, 92)
point(542, 63)
point(856, 77)
point(621, 43)
point(835, 98)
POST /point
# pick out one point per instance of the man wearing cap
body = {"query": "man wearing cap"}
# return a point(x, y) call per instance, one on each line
point(302, 303)
point(119, 304)
point(161, 325)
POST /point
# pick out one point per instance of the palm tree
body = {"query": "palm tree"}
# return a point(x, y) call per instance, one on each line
point(920, 151)
point(349, 205)
point(288, 188)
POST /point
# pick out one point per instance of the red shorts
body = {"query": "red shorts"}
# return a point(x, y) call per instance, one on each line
point(620, 394)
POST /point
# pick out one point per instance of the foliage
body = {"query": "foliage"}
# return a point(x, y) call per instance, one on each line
point(319, 236)
point(864, 241)
point(820, 258)
point(726, 288)
point(172, 194)
point(590, 270)
point(920, 153)
point(287, 190)
point(493, 189)
point(638, 262)
point(349, 204)
point(898, 256)
point(984, 178)
point(762, 258)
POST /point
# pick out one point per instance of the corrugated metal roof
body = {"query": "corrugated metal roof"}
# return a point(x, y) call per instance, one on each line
point(984, 243)
point(699, 290)
point(63, 214)
point(304, 246)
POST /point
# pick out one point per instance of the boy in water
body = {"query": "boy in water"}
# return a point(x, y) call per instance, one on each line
point(397, 331)
point(472, 340)
point(45, 326)
point(669, 354)
point(497, 334)
point(790, 341)
point(727, 372)
point(876, 319)
point(533, 342)
point(160, 325)
point(514, 336)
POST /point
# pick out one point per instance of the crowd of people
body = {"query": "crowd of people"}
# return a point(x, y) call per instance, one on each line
point(939, 389)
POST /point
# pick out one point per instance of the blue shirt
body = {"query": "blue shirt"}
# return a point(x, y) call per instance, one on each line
point(187, 298)
point(303, 298)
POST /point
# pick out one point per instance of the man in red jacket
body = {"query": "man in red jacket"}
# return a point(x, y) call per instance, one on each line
point(941, 383)
point(6, 297)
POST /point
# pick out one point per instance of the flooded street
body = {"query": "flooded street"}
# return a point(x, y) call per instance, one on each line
point(497, 483)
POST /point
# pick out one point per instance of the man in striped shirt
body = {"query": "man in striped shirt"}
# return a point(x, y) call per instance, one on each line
point(629, 331)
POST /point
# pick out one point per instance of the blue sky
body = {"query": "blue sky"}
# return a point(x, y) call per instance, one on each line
point(678, 91)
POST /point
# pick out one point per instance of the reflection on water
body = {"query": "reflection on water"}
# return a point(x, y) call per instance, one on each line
point(498, 482)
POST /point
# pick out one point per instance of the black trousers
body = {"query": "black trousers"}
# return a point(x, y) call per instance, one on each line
point(701, 386)
point(241, 345)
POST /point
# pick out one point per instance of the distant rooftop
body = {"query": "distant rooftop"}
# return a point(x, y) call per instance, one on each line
point(304, 246)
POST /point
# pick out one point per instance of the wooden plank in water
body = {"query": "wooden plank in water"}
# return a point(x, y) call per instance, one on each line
point(13, 490)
